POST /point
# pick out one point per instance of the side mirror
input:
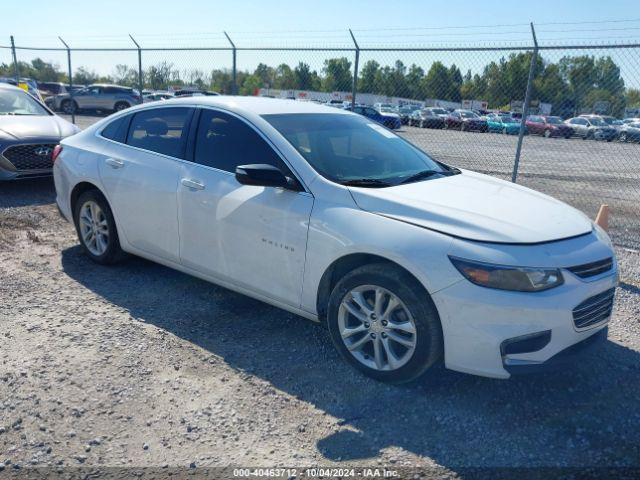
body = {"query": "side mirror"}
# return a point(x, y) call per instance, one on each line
point(263, 175)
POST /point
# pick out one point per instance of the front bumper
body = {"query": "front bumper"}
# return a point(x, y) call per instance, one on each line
point(476, 321)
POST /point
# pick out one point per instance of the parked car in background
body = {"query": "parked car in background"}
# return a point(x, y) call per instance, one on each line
point(156, 96)
point(631, 120)
point(189, 92)
point(98, 97)
point(29, 133)
point(503, 123)
point(630, 132)
point(425, 118)
point(322, 213)
point(548, 126)
point(51, 90)
point(612, 121)
point(439, 111)
point(27, 84)
point(592, 127)
point(465, 120)
point(389, 120)
point(405, 113)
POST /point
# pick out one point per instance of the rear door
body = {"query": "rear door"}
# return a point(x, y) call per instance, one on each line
point(254, 237)
point(89, 98)
point(141, 177)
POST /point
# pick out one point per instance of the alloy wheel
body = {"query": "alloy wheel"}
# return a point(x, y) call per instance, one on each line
point(377, 328)
point(94, 228)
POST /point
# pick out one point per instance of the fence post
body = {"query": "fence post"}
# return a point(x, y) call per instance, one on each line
point(140, 82)
point(16, 70)
point(70, 74)
point(525, 107)
point(354, 88)
point(234, 71)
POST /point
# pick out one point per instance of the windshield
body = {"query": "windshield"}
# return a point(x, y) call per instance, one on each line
point(344, 148)
point(387, 109)
point(467, 114)
point(597, 122)
point(507, 119)
point(439, 111)
point(554, 120)
point(16, 102)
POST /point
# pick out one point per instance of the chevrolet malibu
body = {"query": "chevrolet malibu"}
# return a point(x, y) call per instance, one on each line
point(326, 214)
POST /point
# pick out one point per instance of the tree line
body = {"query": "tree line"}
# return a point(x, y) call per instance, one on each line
point(572, 85)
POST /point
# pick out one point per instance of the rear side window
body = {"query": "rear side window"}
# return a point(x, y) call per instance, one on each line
point(224, 142)
point(117, 130)
point(160, 130)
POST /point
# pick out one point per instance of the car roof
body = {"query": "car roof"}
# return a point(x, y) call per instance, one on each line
point(257, 105)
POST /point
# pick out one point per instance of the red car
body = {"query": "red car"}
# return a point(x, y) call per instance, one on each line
point(548, 126)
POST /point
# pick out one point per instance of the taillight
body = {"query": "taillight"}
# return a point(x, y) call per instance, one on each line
point(56, 152)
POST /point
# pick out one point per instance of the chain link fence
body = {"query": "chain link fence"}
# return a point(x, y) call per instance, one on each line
point(546, 116)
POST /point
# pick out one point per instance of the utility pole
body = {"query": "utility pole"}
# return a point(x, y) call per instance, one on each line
point(140, 82)
point(354, 87)
point(70, 75)
point(16, 70)
point(525, 107)
point(234, 71)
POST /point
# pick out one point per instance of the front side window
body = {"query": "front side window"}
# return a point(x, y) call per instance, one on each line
point(225, 142)
point(160, 130)
point(554, 120)
point(345, 148)
point(18, 102)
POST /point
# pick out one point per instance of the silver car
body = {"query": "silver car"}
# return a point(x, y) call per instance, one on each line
point(98, 97)
point(592, 127)
point(29, 132)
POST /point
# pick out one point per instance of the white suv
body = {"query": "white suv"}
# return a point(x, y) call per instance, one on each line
point(323, 213)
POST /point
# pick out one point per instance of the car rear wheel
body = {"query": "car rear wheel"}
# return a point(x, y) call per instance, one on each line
point(547, 133)
point(96, 228)
point(384, 324)
point(462, 127)
point(121, 106)
point(69, 106)
point(623, 137)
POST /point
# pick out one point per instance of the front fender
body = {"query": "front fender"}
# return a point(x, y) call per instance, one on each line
point(336, 231)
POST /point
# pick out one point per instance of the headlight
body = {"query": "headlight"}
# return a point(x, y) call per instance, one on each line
point(521, 279)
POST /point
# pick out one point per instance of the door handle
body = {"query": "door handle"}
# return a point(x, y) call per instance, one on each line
point(187, 182)
point(115, 163)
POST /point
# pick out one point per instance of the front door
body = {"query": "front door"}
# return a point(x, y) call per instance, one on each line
point(254, 237)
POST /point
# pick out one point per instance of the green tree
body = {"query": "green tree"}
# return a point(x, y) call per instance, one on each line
point(337, 75)
point(368, 77)
point(435, 84)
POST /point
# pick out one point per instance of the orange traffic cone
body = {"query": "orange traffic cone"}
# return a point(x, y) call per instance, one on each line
point(602, 219)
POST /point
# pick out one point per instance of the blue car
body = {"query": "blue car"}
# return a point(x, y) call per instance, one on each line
point(389, 120)
point(503, 123)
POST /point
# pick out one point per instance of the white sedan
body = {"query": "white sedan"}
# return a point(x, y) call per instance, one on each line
point(323, 213)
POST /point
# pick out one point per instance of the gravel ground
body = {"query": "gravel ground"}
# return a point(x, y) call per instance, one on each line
point(138, 365)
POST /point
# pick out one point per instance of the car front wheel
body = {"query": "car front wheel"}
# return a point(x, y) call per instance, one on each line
point(384, 323)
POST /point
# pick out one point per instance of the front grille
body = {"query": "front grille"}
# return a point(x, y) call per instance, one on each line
point(31, 157)
point(592, 269)
point(594, 309)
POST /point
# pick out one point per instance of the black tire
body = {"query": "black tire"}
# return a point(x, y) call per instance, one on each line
point(69, 107)
point(463, 127)
point(429, 343)
point(623, 137)
point(119, 106)
point(113, 253)
point(547, 133)
point(421, 123)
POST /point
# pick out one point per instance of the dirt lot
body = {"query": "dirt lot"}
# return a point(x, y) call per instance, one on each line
point(138, 365)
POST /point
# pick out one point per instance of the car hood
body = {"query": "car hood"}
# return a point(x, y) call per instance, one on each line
point(26, 126)
point(476, 207)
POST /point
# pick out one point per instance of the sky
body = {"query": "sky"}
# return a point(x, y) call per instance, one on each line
point(288, 23)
